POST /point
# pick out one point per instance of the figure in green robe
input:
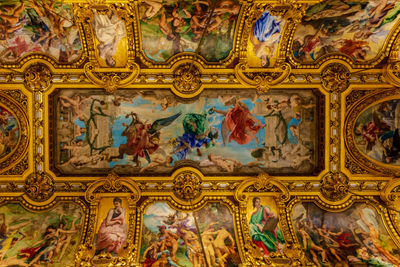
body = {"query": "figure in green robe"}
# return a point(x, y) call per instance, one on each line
point(264, 229)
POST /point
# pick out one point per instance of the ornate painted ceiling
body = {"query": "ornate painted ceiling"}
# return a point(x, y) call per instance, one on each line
point(199, 133)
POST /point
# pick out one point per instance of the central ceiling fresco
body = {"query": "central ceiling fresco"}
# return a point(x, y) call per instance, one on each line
point(199, 133)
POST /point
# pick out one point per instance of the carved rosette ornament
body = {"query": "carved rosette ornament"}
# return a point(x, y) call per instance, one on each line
point(335, 186)
point(187, 185)
point(39, 187)
point(335, 77)
point(38, 77)
point(187, 79)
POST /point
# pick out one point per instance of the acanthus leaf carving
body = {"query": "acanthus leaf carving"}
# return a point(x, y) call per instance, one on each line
point(112, 183)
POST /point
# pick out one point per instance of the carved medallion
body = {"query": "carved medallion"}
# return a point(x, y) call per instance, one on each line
point(39, 187)
point(335, 186)
point(335, 77)
point(187, 78)
point(38, 77)
point(187, 185)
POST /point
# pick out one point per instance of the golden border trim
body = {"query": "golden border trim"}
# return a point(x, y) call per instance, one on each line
point(352, 115)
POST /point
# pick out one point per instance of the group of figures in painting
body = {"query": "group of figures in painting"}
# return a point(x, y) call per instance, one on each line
point(124, 131)
point(354, 236)
point(377, 132)
point(357, 29)
point(171, 27)
point(33, 239)
point(346, 238)
point(204, 237)
point(174, 238)
point(47, 26)
point(9, 132)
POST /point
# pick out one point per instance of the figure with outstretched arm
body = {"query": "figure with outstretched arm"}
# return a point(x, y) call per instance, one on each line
point(375, 237)
point(239, 124)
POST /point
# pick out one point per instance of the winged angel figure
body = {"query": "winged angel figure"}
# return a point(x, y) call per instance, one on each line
point(142, 138)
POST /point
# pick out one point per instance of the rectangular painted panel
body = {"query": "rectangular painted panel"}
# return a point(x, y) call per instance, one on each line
point(152, 132)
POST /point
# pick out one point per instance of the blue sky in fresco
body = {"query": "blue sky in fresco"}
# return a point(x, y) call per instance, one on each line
point(147, 111)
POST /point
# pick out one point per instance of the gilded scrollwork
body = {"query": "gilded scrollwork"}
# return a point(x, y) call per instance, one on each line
point(392, 73)
point(113, 184)
point(15, 141)
point(353, 167)
point(262, 80)
point(111, 80)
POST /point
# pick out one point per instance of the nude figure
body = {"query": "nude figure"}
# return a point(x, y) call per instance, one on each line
point(76, 104)
point(208, 238)
point(221, 249)
point(168, 240)
point(83, 160)
point(65, 239)
point(374, 235)
point(158, 160)
point(314, 249)
point(227, 164)
point(152, 8)
point(10, 21)
point(194, 250)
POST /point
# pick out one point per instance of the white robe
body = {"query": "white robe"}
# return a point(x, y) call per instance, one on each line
point(108, 31)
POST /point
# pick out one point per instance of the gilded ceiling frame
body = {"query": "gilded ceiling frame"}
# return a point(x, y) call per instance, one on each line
point(348, 88)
